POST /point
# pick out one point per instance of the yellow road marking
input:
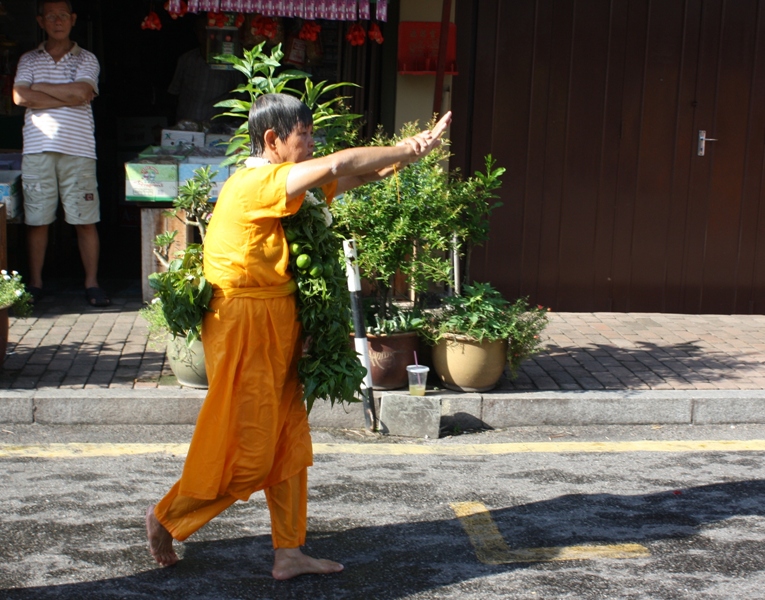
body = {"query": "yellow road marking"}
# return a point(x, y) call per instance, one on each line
point(552, 447)
point(75, 450)
point(491, 548)
point(84, 450)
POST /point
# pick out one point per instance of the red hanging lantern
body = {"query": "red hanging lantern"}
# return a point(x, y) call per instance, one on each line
point(176, 9)
point(264, 26)
point(215, 19)
point(151, 21)
point(356, 35)
point(309, 31)
point(375, 34)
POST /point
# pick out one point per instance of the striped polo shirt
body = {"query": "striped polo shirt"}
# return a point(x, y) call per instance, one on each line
point(67, 129)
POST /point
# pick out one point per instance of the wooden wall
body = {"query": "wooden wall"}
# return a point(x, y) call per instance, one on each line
point(594, 107)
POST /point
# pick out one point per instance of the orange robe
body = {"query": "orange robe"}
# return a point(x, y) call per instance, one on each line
point(252, 431)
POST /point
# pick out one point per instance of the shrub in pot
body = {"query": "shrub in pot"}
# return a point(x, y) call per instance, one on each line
point(13, 296)
point(181, 293)
point(477, 335)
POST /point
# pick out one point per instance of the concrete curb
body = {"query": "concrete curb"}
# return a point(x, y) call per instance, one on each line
point(465, 411)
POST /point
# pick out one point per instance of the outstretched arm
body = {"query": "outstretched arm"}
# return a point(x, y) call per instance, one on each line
point(356, 166)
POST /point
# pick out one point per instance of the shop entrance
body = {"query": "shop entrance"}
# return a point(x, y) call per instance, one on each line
point(137, 66)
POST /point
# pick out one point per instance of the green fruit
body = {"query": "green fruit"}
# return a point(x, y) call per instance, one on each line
point(316, 271)
point(290, 234)
point(295, 248)
point(303, 261)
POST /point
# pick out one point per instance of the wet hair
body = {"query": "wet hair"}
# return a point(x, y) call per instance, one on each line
point(42, 3)
point(279, 112)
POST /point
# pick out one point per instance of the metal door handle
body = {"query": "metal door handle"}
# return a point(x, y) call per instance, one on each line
point(703, 139)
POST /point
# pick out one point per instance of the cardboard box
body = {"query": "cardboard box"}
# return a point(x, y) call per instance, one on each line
point(10, 193)
point(166, 153)
point(217, 140)
point(147, 180)
point(186, 171)
point(176, 137)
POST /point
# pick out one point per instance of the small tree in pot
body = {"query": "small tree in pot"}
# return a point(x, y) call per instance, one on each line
point(181, 293)
point(409, 226)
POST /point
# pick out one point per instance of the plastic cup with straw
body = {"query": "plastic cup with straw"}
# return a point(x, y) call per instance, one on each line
point(418, 377)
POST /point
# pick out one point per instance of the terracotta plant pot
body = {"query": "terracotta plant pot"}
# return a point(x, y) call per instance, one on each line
point(389, 355)
point(187, 363)
point(466, 365)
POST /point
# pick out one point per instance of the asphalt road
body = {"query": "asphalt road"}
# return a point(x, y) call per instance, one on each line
point(523, 513)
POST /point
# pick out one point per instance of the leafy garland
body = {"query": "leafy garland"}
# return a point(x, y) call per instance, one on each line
point(330, 367)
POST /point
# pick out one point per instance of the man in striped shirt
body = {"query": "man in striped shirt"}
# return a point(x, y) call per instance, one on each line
point(56, 83)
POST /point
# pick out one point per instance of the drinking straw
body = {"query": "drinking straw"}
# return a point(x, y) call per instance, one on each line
point(419, 375)
point(415, 357)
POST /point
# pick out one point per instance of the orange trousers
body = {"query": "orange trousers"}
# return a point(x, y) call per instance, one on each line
point(287, 503)
point(252, 431)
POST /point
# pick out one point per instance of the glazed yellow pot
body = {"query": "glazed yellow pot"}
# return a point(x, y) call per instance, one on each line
point(467, 365)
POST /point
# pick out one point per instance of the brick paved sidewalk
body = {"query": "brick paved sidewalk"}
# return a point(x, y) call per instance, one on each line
point(67, 344)
point(613, 351)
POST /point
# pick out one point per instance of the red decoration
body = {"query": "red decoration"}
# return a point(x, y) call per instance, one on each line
point(151, 21)
point(309, 31)
point(175, 14)
point(239, 21)
point(356, 35)
point(265, 26)
point(375, 34)
point(216, 19)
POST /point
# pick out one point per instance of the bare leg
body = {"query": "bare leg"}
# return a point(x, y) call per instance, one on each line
point(291, 562)
point(160, 540)
point(88, 243)
point(37, 244)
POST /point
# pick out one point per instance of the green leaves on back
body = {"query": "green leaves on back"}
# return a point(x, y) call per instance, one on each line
point(330, 367)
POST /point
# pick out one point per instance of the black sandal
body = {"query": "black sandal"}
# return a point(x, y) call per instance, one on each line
point(36, 293)
point(97, 297)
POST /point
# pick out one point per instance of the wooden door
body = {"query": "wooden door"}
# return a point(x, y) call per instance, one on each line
point(595, 108)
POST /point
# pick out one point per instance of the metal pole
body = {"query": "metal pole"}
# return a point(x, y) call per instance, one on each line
point(360, 332)
point(456, 264)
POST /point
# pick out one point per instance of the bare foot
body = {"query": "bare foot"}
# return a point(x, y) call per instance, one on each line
point(291, 562)
point(160, 540)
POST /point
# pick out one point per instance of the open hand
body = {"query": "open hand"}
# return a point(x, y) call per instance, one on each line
point(427, 140)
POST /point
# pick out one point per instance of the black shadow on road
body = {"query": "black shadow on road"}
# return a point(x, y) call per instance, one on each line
point(397, 561)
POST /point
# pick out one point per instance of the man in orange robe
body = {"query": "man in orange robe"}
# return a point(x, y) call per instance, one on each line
point(252, 431)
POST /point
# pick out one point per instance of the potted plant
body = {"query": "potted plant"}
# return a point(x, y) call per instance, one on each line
point(182, 294)
point(476, 335)
point(14, 296)
point(412, 226)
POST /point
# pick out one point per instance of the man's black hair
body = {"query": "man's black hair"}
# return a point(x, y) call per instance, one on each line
point(280, 112)
point(42, 3)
